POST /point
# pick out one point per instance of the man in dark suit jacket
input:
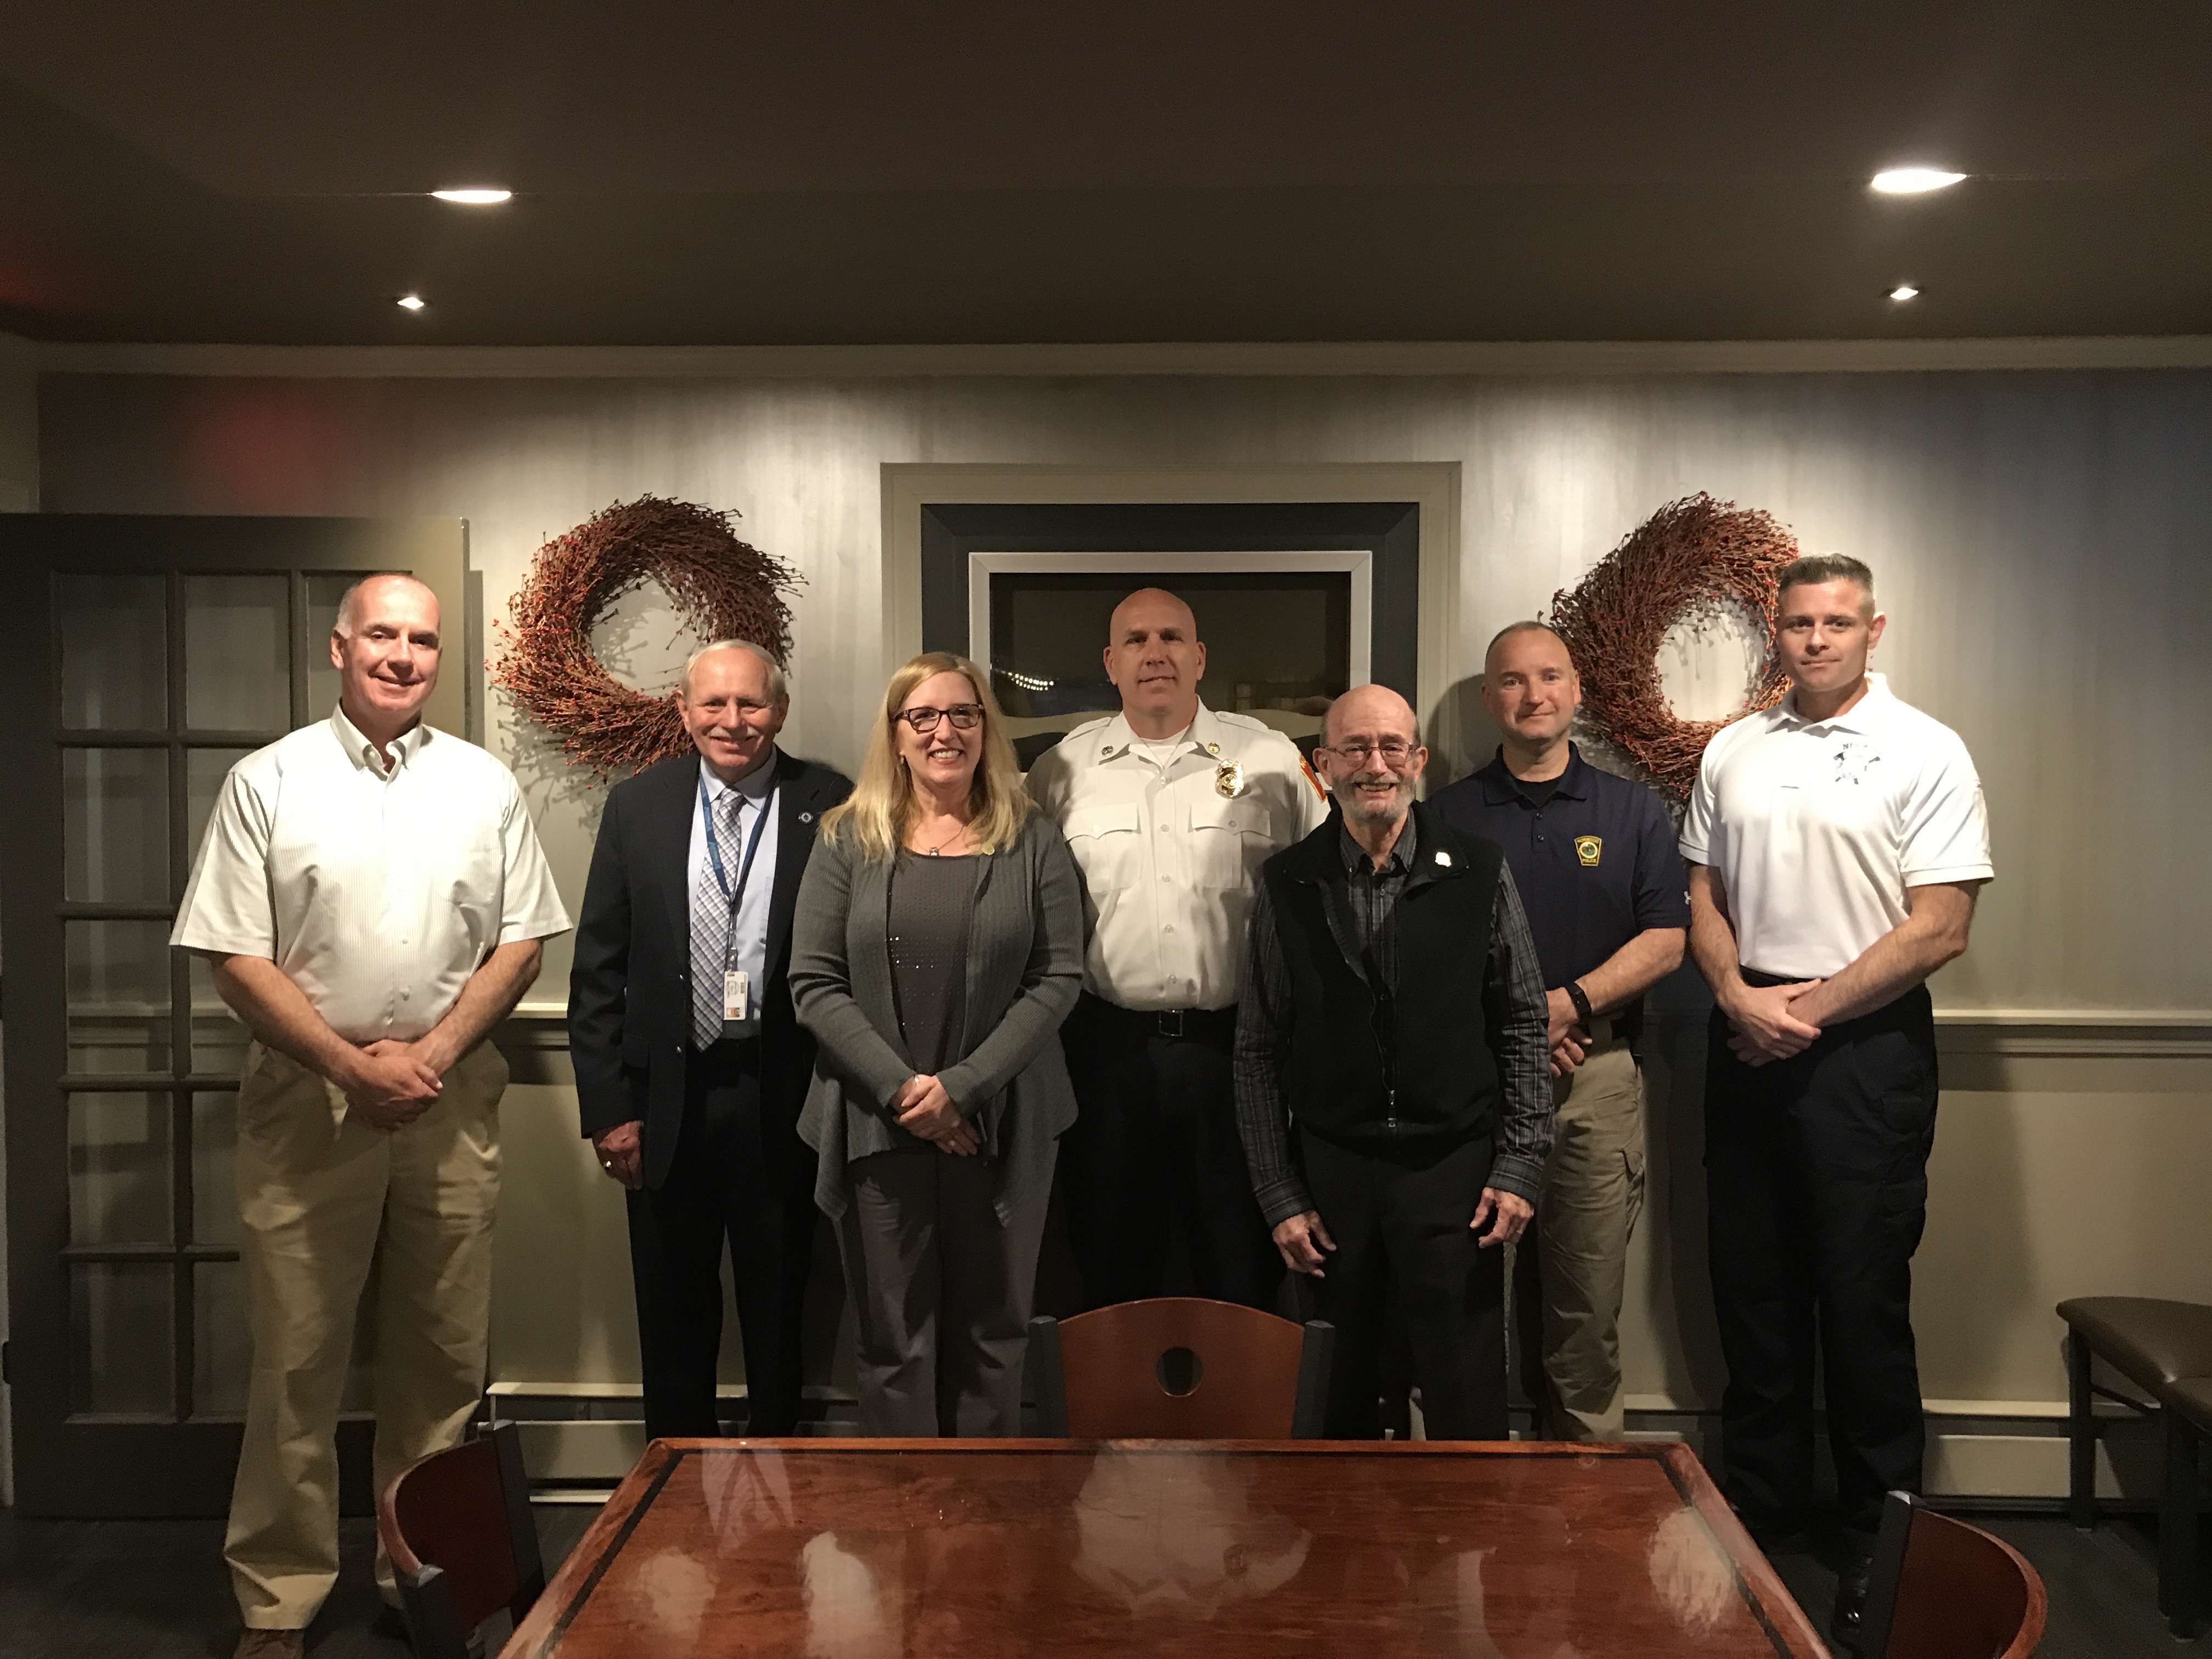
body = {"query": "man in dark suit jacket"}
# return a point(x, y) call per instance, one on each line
point(690, 1068)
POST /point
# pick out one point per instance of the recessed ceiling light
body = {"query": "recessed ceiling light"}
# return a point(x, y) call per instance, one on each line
point(1914, 181)
point(1904, 291)
point(473, 198)
point(412, 302)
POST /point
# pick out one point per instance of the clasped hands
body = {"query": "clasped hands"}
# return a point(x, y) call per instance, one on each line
point(925, 1110)
point(391, 1083)
point(1762, 1025)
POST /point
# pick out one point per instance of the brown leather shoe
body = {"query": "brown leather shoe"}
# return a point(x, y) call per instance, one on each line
point(272, 1644)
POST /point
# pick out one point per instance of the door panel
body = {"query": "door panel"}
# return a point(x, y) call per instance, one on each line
point(172, 648)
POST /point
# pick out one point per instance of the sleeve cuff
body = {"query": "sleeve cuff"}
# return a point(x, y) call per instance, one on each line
point(1281, 1199)
point(206, 942)
point(1523, 1177)
point(1943, 874)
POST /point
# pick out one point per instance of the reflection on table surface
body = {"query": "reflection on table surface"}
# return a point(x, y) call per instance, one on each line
point(870, 1550)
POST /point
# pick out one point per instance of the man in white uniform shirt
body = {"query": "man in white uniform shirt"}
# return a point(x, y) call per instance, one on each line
point(372, 899)
point(1836, 843)
point(1169, 808)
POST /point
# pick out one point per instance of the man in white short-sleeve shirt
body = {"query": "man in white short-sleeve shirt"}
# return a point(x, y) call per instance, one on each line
point(1836, 843)
point(1169, 808)
point(372, 899)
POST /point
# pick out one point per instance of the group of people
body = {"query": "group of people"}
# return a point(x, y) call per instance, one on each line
point(1312, 1024)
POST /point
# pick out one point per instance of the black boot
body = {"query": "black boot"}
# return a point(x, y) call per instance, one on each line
point(1851, 1603)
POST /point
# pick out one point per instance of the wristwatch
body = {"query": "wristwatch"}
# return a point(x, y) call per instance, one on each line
point(1580, 998)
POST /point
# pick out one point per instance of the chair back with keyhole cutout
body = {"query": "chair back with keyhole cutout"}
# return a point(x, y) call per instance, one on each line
point(1180, 1368)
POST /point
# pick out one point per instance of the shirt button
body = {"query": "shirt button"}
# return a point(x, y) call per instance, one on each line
point(1170, 927)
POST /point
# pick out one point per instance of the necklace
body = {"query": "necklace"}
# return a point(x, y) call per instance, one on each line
point(932, 852)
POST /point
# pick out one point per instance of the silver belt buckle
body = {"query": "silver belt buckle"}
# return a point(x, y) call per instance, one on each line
point(1170, 1024)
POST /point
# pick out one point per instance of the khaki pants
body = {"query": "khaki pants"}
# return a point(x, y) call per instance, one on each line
point(1570, 1267)
point(320, 1194)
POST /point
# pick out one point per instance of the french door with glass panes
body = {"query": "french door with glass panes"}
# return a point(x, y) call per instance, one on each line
point(157, 652)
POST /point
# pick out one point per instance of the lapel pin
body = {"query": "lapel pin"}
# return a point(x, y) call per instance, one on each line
point(1443, 857)
point(807, 817)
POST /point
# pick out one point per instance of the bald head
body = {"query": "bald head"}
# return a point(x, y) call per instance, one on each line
point(1369, 711)
point(1150, 607)
point(1155, 660)
point(1542, 635)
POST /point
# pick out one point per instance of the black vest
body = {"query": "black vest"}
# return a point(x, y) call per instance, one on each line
point(1413, 1067)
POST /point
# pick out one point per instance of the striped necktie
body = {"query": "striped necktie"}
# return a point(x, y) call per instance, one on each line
point(711, 921)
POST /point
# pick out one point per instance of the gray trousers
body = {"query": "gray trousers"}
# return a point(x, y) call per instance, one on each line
point(941, 1293)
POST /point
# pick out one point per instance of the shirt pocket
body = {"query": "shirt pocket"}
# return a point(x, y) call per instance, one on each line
point(1228, 839)
point(1108, 842)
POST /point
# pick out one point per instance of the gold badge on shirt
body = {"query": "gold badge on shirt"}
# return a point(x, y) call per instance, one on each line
point(1229, 778)
point(1586, 848)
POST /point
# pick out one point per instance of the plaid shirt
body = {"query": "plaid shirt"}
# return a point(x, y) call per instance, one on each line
point(1516, 1022)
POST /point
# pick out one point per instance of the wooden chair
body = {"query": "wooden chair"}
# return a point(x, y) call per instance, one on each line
point(2158, 1345)
point(2185, 1408)
point(1942, 1589)
point(457, 1526)
point(1118, 1373)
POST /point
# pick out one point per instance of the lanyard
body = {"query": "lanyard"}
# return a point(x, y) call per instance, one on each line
point(745, 869)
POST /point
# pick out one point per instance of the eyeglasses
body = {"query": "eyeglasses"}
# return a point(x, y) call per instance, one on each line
point(964, 716)
point(1394, 750)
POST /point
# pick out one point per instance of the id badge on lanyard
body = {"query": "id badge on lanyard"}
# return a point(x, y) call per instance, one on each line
point(737, 983)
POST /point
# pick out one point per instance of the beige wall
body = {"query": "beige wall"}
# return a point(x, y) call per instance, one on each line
point(2039, 537)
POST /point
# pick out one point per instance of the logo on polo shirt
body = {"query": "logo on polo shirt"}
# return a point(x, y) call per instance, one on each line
point(1586, 848)
point(1853, 757)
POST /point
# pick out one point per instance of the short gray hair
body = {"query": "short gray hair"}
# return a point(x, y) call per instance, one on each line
point(779, 690)
point(1814, 568)
point(349, 601)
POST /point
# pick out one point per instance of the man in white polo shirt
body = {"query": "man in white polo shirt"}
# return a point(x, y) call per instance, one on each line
point(1836, 843)
point(372, 900)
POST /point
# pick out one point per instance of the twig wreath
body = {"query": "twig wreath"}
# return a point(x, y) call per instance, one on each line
point(1689, 562)
point(725, 588)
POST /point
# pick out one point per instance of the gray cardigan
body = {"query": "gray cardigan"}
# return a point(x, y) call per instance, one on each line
point(1024, 971)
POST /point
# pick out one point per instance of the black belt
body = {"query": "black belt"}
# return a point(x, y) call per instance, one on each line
point(1758, 980)
point(1176, 1024)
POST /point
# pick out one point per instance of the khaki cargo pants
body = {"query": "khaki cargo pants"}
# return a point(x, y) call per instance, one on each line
point(321, 1193)
point(1570, 1267)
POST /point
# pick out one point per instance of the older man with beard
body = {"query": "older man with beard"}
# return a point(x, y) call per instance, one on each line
point(1393, 1077)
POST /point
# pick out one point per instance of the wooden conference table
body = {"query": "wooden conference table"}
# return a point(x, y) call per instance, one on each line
point(878, 1549)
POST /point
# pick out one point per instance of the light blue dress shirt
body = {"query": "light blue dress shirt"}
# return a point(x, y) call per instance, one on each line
point(756, 794)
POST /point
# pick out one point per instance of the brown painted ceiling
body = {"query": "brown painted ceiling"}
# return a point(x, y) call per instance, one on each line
point(230, 171)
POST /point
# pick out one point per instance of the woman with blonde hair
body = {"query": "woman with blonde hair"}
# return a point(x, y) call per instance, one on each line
point(936, 946)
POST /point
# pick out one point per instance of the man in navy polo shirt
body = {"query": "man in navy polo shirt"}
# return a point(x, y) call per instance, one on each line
point(1595, 859)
